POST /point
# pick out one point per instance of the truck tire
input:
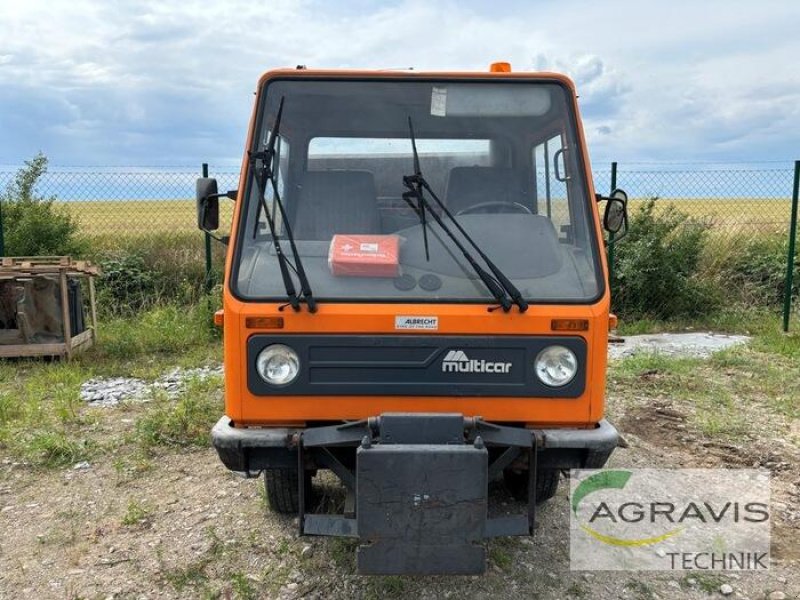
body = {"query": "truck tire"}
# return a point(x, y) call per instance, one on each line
point(546, 484)
point(282, 490)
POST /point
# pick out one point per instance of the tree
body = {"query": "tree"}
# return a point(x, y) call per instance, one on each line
point(34, 225)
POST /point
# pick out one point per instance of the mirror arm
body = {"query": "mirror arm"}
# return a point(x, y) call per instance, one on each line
point(223, 239)
point(231, 194)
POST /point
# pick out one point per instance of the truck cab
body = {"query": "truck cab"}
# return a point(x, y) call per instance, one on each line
point(415, 299)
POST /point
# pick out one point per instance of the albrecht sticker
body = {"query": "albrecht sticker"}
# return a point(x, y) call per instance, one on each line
point(422, 323)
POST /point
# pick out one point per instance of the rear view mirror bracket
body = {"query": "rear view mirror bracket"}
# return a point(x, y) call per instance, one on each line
point(207, 198)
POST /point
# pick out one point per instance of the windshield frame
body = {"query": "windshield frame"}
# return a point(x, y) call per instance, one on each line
point(572, 121)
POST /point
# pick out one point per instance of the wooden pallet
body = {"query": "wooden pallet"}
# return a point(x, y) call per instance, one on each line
point(34, 265)
point(61, 268)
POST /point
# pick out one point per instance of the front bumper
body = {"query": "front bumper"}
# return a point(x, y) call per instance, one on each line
point(247, 450)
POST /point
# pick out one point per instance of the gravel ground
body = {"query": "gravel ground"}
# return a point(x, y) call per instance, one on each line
point(200, 531)
point(692, 345)
point(108, 392)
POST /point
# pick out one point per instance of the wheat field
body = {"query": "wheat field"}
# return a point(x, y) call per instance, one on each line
point(131, 217)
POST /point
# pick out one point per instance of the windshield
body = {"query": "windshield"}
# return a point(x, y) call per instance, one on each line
point(502, 157)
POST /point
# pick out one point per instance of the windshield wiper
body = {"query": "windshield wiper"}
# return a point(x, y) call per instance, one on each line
point(262, 175)
point(497, 285)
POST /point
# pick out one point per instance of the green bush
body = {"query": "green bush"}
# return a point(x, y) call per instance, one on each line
point(139, 272)
point(756, 269)
point(33, 225)
point(657, 267)
point(126, 284)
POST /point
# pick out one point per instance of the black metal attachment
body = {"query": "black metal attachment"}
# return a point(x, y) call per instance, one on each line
point(417, 484)
point(417, 489)
point(533, 460)
point(301, 487)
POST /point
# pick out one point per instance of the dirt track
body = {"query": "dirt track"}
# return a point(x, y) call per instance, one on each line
point(185, 528)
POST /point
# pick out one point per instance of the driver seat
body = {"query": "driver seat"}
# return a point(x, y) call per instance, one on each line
point(335, 201)
point(468, 186)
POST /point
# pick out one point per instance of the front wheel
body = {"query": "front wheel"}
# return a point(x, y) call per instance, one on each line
point(546, 484)
point(283, 491)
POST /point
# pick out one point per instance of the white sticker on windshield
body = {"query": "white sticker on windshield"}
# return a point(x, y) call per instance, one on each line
point(439, 102)
point(416, 323)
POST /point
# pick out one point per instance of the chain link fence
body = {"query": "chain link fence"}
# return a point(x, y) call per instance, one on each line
point(121, 201)
point(742, 213)
point(703, 235)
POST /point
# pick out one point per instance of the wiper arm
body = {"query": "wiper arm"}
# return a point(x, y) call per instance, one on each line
point(516, 295)
point(416, 183)
point(262, 175)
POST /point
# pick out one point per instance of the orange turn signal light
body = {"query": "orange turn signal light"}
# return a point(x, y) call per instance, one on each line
point(569, 324)
point(219, 318)
point(612, 321)
point(263, 322)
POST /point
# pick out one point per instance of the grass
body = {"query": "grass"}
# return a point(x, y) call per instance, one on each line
point(163, 330)
point(576, 590)
point(707, 582)
point(185, 421)
point(720, 394)
point(44, 421)
point(99, 217)
point(136, 514)
point(242, 587)
point(763, 215)
point(501, 552)
point(193, 575)
point(640, 590)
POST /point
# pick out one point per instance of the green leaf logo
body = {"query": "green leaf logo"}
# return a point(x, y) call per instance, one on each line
point(611, 480)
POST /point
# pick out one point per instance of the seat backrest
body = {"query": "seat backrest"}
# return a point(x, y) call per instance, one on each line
point(468, 186)
point(335, 201)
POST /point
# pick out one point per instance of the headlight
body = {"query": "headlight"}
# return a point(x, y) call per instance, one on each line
point(556, 366)
point(278, 364)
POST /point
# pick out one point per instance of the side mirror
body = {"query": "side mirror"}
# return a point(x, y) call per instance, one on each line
point(615, 218)
point(207, 204)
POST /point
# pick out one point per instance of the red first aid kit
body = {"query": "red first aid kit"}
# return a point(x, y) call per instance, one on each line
point(364, 255)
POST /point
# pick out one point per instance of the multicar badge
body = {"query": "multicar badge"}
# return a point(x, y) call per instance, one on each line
point(458, 362)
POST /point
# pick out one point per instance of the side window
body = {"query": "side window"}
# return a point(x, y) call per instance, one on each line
point(551, 186)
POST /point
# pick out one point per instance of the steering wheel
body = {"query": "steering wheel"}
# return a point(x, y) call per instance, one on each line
point(495, 207)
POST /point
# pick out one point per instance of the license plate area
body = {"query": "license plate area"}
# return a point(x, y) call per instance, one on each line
point(421, 508)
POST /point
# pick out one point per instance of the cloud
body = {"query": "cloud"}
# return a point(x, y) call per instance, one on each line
point(171, 83)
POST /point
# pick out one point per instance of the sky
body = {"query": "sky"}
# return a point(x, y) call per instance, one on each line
point(166, 83)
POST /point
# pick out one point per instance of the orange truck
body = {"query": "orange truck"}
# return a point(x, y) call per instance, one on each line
point(415, 300)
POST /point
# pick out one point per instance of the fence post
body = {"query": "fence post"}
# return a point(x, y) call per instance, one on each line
point(787, 300)
point(208, 244)
point(611, 235)
point(2, 239)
